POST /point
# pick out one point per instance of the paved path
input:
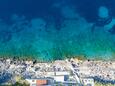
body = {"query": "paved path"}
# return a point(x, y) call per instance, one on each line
point(74, 72)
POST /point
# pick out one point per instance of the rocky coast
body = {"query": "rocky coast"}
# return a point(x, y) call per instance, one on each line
point(100, 71)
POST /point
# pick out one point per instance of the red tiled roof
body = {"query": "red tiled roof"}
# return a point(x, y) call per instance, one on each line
point(41, 82)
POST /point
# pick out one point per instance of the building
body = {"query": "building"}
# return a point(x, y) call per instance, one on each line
point(61, 78)
point(41, 82)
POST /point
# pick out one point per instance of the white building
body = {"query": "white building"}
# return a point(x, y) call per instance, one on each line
point(61, 76)
point(41, 81)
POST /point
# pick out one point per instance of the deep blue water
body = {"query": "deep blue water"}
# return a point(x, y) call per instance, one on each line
point(43, 8)
point(52, 29)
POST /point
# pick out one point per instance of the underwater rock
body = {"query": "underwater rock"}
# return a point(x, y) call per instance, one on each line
point(18, 23)
point(69, 12)
point(103, 12)
point(5, 36)
point(112, 30)
point(103, 18)
point(17, 27)
point(101, 22)
point(17, 18)
point(38, 23)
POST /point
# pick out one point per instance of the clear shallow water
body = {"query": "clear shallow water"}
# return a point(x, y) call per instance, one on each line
point(54, 29)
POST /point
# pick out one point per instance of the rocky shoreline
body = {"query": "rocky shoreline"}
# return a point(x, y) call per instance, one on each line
point(101, 71)
point(9, 68)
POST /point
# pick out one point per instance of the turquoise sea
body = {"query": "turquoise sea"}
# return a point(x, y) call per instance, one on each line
point(55, 29)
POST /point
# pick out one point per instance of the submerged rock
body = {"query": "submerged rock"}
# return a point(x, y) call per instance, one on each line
point(101, 22)
point(112, 30)
point(5, 36)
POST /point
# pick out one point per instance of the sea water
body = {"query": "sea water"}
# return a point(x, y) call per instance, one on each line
point(56, 29)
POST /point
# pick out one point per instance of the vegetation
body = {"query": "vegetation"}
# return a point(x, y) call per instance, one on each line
point(17, 84)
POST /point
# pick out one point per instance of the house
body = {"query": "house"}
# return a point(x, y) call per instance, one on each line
point(41, 81)
point(61, 78)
